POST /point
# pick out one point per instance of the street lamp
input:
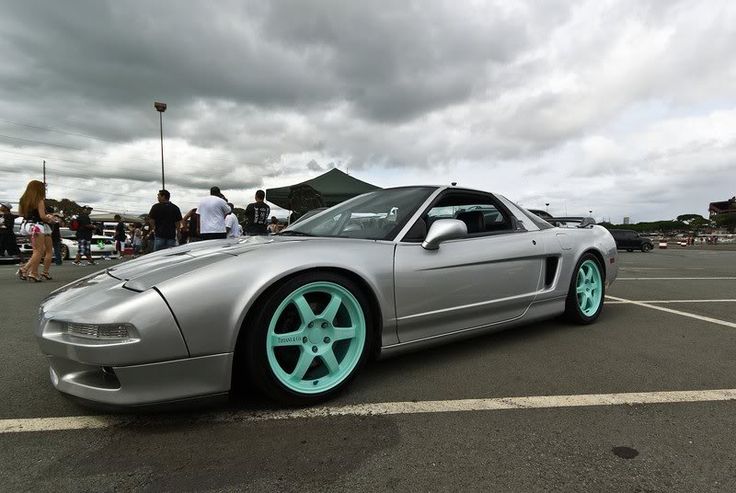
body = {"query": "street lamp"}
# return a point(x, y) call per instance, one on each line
point(161, 107)
point(546, 205)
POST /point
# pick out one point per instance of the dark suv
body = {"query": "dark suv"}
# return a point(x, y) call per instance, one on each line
point(630, 240)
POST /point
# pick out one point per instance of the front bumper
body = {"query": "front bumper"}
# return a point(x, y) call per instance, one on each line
point(151, 366)
point(139, 385)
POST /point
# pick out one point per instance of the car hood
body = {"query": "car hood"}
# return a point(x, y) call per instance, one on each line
point(145, 272)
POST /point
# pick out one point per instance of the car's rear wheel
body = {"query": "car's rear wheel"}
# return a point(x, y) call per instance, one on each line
point(64, 252)
point(646, 247)
point(310, 339)
point(587, 290)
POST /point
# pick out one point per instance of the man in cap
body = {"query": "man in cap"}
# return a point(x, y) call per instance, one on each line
point(212, 211)
point(85, 229)
point(8, 245)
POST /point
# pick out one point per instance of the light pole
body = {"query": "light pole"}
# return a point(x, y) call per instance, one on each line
point(161, 107)
point(546, 206)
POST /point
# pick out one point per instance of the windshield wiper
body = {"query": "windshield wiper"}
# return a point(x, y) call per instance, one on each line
point(293, 233)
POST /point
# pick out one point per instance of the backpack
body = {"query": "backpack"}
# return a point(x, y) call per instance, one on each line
point(74, 224)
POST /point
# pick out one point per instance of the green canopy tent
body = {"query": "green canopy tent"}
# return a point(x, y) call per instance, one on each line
point(325, 190)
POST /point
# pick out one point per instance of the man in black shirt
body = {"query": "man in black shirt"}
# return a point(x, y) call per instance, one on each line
point(85, 228)
point(8, 245)
point(164, 218)
point(119, 236)
point(55, 236)
point(257, 215)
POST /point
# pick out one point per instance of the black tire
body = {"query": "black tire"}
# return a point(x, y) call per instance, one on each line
point(573, 311)
point(253, 351)
point(629, 249)
point(646, 247)
point(64, 252)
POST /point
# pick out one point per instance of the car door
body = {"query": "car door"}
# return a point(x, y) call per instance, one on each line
point(486, 278)
point(631, 240)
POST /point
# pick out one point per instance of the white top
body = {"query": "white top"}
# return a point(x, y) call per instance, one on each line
point(212, 211)
point(231, 221)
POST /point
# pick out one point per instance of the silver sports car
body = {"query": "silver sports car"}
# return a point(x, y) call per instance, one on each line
point(297, 314)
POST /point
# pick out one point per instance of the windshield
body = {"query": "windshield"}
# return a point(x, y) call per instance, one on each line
point(375, 215)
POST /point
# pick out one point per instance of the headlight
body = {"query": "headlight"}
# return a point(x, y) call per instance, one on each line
point(109, 332)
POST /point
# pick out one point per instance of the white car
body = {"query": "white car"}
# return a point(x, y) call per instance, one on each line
point(100, 246)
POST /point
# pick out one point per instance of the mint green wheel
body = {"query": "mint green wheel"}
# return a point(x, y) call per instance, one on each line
point(587, 289)
point(311, 338)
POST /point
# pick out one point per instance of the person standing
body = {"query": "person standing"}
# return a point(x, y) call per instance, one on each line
point(37, 226)
point(55, 237)
point(164, 217)
point(85, 229)
point(190, 222)
point(212, 211)
point(274, 227)
point(8, 243)
point(137, 240)
point(257, 215)
point(119, 236)
point(232, 226)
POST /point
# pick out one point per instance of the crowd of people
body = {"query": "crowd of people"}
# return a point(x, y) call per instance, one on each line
point(213, 218)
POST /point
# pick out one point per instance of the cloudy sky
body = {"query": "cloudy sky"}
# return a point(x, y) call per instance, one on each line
point(625, 108)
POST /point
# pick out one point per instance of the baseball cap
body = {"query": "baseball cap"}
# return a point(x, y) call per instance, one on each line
point(87, 207)
point(215, 191)
point(6, 205)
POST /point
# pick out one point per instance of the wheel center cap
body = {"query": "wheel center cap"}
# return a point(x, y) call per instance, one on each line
point(317, 333)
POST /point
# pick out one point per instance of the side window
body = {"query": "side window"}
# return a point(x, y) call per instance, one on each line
point(480, 213)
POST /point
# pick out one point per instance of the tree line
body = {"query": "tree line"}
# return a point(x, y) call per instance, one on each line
point(685, 223)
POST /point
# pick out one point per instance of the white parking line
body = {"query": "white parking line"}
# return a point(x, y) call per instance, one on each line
point(387, 408)
point(676, 312)
point(676, 278)
point(661, 302)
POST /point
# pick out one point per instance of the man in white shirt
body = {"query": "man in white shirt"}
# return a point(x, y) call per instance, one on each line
point(212, 211)
point(232, 226)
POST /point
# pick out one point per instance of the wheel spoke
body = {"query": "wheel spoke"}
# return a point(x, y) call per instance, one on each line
point(331, 362)
point(331, 309)
point(305, 311)
point(288, 339)
point(342, 333)
point(580, 289)
point(305, 360)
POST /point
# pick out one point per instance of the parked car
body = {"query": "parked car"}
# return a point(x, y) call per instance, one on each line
point(629, 240)
point(298, 313)
point(543, 214)
point(100, 246)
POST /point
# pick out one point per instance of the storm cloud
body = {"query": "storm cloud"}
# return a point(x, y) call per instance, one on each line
point(624, 108)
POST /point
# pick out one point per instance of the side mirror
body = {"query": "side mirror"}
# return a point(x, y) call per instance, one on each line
point(443, 230)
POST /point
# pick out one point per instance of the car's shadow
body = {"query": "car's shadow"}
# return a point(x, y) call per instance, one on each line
point(371, 380)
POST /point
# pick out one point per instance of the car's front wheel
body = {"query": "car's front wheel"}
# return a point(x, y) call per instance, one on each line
point(587, 290)
point(310, 338)
point(646, 247)
point(64, 252)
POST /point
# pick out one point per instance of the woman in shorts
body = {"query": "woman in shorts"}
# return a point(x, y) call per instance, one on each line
point(36, 225)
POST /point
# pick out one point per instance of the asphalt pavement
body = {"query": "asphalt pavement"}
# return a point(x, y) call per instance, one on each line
point(668, 326)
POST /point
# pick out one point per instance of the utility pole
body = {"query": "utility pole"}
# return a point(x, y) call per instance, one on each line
point(44, 172)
